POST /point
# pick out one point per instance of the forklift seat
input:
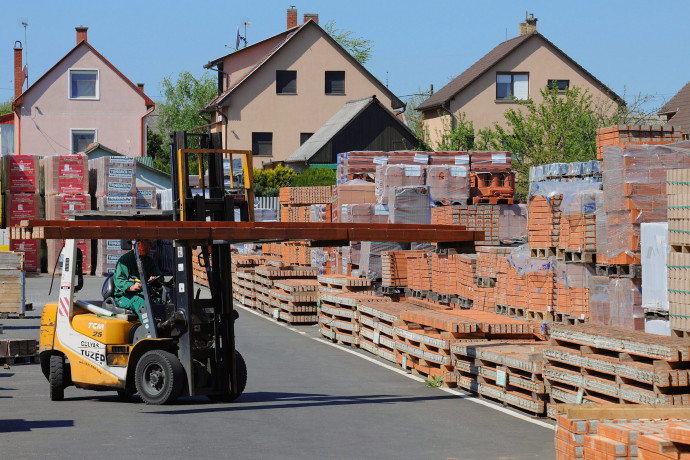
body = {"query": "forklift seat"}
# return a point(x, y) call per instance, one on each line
point(109, 302)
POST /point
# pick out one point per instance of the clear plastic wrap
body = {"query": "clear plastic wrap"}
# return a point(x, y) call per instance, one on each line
point(410, 205)
point(523, 264)
point(448, 184)
point(370, 258)
point(512, 223)
point(362, 213)
point(270, 215)
point(397, 175)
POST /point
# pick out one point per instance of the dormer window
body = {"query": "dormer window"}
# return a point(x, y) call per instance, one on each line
point(84, 84)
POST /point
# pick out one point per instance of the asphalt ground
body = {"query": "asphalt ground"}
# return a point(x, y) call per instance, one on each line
point(305, 398)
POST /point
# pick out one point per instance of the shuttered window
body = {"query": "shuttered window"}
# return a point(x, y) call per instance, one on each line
point(335, 82)
point(262, 144)
point(512, 84)
point(286, 82)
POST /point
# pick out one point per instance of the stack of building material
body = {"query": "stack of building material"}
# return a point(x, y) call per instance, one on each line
point(377, 319)
point(596, 364)
point(265, 277)
point(338, 296)
point(443, 276)
point(424, 338)
point(146, 198)
point(573, 290)
point(616, 302)
point(395, 267)
point(419, 274)
point(319, 213)
point(388, 177)
point(577, 240)
point(243, 278)
point(12, 283)
point(59, 207)
point(465, 270)
point(512, 223)
point(108, 254)
point(619, 136)
point(363, 213)
point(541, 295)
point(509, 372)
point(543, 225)
point(479, 218)
point(296, 202)
point(22, 201)
point(448, 184)
point(356, 197)
point(294, 300)
point(113, 183)
point(591, 432)
point(515, 286)
point(409, 205)
point(296, 252)
point(22, 350)
point(678, 187)
point(491, 180)
point(370, 265)
point(566, 172)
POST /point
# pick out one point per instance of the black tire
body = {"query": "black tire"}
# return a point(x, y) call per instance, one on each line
point(57, 377)
point(241, 368)
point(124, 395)
point(159, 377)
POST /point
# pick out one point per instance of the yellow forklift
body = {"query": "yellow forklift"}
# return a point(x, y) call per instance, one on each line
point(184, 344)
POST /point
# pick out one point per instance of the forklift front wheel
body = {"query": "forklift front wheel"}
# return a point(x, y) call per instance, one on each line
point(159, 377)
point(57, 377)
point(241, 368)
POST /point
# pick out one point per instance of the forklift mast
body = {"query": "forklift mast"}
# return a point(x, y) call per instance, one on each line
point(208, 319)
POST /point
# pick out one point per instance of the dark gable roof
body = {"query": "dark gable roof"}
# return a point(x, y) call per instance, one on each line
point(483, 65)
point(286, 37)
point(679, 108)
point(147, 101)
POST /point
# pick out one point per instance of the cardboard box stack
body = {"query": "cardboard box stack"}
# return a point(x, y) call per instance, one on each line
point(66, 190)
point(678, 188)
point(22, 201)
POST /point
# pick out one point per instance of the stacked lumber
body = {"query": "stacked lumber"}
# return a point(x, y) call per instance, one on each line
point(620, 135)
point(12, 283)
point(338, 318)
point(621, 431)
point(634, 193)
point(597, 364)
point(509, 372)
point(377, 320)
point(113, 182)
point(424, 337)
point(678, 187)
point(267, 274)
point(543, 225)
point(20, 180)
point(242, 267)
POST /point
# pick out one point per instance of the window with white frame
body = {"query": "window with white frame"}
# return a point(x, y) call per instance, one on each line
point(84, 84)
point(82, 138)
point(509, 85)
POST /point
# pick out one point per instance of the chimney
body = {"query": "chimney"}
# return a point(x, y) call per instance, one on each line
point(18, 73)
point(529, 26)
point(314, 17)
point(81, 34)
point(291, 18)
point(141, 87)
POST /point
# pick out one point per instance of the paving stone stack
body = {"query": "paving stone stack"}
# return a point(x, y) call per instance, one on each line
point(22, 201)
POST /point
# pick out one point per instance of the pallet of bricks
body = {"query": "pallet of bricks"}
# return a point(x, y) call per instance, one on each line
point(285, 292)
point(15, 351)
point(621, 431)
point(12, 284)
point(22, 201)
point(678, 187)
point(479, 218)
point(297, 202)
point(424, 337)
point(243, 267)
point(588, 364)
point(66, 191)
point(509, 372)
point(618, 136)
point(337, 300)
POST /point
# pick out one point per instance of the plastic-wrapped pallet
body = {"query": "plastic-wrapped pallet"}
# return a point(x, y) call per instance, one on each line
point(58, 207)
point(573, 282)
point(268, 215)
point(367, 213)
point(388, 177)
point(512, 223)
point(109, 252)
point(146, 198)
point(410, 205)
point(67, 174)
point(448, 184)
point(113, 175)
point(20, 173)
point(370, 258)
point(616, 302)
point(654, 271)
point(491, 162)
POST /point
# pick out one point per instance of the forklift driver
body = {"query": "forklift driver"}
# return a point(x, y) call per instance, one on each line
point(128, 293)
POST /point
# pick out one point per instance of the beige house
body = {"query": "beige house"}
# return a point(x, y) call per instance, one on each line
point(273, 95)
point(515, 69)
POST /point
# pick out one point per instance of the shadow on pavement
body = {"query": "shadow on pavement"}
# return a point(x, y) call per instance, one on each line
point(19, 425)
point(12, 328)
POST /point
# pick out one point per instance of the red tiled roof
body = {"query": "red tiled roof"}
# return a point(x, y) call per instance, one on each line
point(287, 35)
point(489, 60)
point(7, 119)
point(679, 108)
point(147, 101)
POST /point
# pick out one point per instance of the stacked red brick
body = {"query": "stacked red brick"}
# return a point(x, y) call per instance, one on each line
point(621, 135)
point(543, 224)
point(22, 201)
point(243, 278)
point(66, 190)
point(678, 187)
point(283, 302)
point(338, 296)
point(297, 201)
point(419, 271)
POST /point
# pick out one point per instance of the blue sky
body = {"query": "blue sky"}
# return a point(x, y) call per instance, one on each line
point(632, 46)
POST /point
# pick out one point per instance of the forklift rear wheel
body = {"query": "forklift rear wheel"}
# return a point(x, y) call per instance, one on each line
point(159, 377)
point(57, 377)
point(241, 368)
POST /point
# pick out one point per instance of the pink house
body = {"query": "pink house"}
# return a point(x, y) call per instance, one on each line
point(82, 99)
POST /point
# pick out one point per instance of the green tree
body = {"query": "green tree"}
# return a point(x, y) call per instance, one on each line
point(360, 48)
point(154, 149)
point(457, 133)
point(562, 128)
point(415, 119)
point(313, 177)
point(6, 107)
point(179, 111)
